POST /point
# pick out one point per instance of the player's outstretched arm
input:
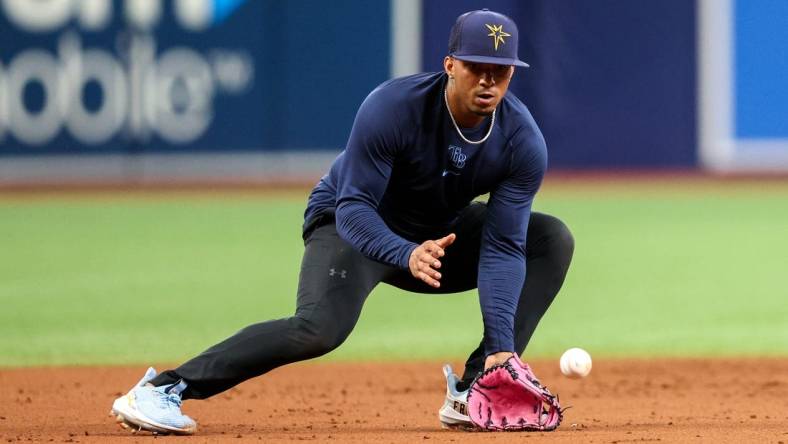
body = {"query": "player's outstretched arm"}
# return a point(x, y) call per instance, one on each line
point(424, 260)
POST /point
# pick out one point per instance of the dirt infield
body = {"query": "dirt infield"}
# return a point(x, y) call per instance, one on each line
point(623, 401)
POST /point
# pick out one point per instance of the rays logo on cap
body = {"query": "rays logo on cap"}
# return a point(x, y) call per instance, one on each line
point(497, 33)
point(470, 35)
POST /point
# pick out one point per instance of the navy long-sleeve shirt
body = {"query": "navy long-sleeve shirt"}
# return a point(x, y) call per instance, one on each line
point(405, 175)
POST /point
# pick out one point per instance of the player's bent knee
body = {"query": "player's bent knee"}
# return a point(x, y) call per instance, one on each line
point(318, 338)
point(562, 238)
point(552, 237)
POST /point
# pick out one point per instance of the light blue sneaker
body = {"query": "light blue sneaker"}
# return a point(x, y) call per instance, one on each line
point(155, 409)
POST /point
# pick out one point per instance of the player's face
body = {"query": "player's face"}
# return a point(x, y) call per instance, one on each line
point(475, 89)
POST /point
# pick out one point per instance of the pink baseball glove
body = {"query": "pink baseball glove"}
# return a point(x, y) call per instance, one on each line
point(509, 397)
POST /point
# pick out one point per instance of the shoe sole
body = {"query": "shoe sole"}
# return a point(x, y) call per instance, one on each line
point(458, 427)
point(131, 427)
point(135, 423)
point(450, 422)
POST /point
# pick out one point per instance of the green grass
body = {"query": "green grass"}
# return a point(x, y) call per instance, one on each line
point(658, 270)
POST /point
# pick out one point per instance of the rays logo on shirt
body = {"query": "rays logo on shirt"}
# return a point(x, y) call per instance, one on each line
point(457, 158)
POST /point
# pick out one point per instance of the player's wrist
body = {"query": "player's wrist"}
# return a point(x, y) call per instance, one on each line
point(497, 358)
point(411, 262)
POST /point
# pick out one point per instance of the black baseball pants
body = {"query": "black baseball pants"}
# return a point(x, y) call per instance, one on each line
point(335, 281)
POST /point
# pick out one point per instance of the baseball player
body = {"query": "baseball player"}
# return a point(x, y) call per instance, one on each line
point(397, 207)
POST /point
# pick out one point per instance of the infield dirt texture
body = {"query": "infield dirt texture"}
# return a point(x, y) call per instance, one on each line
point(623, 401)
point(676, 289)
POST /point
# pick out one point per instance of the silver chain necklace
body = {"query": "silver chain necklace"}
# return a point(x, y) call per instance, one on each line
point(462, 136)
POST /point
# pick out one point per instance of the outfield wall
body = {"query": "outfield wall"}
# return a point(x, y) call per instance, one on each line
point(743, 85)
point(149, 90)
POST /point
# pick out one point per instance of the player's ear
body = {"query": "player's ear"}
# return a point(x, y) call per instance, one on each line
point(448, 66)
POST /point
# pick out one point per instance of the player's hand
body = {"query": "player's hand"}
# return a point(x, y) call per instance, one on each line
point(424, 260)
point(496, 358)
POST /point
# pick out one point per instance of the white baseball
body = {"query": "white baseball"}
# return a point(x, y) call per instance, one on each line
point(576, 363)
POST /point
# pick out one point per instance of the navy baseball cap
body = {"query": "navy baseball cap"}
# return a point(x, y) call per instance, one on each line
point(485, 37)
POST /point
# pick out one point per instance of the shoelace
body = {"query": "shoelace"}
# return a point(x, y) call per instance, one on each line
point(167, 400)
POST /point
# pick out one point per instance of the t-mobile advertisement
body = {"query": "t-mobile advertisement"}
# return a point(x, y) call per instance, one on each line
point(86, 76)
point(156, 76)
